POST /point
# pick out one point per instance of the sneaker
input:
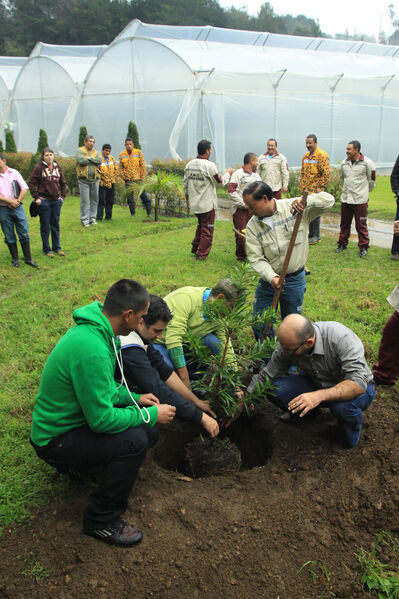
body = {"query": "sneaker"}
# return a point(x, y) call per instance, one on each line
point(362, 253)
point(93, 222)
point(50, 254)
point(120, 533)
point(340, 248)
point(60, 253)
point(85, 225)
point(314, 240)
point(395, 257)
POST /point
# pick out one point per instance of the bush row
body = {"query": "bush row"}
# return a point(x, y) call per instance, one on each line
point(22, 162)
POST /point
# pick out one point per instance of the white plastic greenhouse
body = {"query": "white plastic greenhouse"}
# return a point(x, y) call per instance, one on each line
point(237, 88)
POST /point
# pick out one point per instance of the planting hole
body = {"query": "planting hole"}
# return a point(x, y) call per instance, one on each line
point(185, 448)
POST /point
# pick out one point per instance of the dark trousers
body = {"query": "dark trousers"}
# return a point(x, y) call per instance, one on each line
point(387, 368)
point(240, 220)
point(50, 212)
point(277, 194)
point(314, 228)
point(132, 203)
point(120, 454)
point(105, 200)
point(202, 242)
point(395, 241)
point(348, 413)
point(359, 211)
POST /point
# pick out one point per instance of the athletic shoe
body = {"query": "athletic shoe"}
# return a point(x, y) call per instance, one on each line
point(120, 533)
point(340, 248)
point(362, 253)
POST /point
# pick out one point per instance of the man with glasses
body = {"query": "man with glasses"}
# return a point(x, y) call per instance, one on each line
point(333, 372)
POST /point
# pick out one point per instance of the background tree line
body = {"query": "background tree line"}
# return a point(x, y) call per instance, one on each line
point(25, 22)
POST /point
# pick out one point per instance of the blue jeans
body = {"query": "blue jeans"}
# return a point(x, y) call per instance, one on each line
point(50, 211)
point(348, 413)
point(291, 298)
point(395, 241)
point(210, 340)
point(10, 217)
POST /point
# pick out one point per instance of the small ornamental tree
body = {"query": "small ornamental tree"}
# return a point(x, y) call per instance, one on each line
point(1, 147)
point(82, 135)
point(11, 146)
point(222, 378)
point(41, 144)
point(160, 185)
point(132, 132)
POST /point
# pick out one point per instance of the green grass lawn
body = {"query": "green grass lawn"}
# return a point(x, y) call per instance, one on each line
point(36, 309)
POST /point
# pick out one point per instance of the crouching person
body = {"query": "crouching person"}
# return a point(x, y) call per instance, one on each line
point(82, 419)
point(187, 305)
point(333, 373)
point(146, 371)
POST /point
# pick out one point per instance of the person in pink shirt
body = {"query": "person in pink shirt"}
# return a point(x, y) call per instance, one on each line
point(12, 215)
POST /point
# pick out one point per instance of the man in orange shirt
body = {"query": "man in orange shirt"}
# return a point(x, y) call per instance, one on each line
point(132, 170)
point(315, 175)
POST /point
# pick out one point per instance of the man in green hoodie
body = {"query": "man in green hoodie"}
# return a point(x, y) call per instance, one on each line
point(83, 419)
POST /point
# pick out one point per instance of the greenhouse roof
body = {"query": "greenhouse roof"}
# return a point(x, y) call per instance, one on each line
point(254, 38)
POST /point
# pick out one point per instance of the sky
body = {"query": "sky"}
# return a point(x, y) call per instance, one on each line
point(358, 16)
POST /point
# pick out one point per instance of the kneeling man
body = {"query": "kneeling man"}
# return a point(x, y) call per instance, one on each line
point(146, 371)
point(333, 371)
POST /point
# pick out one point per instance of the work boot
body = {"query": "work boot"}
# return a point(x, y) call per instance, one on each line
point(340, 248)
point(25, 245)
point(14, 254)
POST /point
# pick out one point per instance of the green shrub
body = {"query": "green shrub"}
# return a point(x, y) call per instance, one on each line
point(68, 166)
point(41, 144)
point(11, 146)
point(1, 147)
point(82, 135)
point(132, 132)
point(20, 161)
point(175, 167)
point(334, 186)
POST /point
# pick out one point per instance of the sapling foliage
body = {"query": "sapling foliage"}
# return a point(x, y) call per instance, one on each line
point(220, 375)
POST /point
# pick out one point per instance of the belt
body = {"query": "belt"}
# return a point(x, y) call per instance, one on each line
point(297, 272)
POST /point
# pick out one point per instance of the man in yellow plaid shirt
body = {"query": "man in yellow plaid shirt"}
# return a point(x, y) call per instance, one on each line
point(109, 173)
point(132, 170)
point(315, 175)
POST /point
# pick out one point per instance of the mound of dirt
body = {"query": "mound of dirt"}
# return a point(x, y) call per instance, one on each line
point(239, 536)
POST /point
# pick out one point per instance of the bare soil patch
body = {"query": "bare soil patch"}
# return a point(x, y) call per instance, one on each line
point(240, 536)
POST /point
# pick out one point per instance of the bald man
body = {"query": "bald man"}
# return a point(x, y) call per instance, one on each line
point(333, 373)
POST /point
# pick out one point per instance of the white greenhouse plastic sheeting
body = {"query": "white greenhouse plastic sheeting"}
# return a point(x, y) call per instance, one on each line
point(237, 88)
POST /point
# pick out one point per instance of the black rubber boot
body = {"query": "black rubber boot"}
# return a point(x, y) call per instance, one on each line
point(14, 254)
point(25, 245)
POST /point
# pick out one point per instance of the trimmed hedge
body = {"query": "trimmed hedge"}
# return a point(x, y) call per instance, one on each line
point(21, 161)
point(169, 166)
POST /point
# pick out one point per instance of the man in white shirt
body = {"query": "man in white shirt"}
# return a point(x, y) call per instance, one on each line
point(199, 182)
point(358, 175)
point(273, 169)
point(239, 180)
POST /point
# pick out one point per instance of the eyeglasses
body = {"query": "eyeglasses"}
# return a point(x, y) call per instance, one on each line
point(292, 351)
